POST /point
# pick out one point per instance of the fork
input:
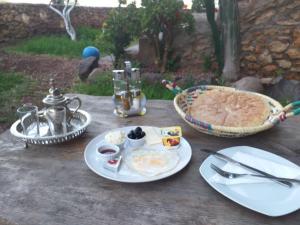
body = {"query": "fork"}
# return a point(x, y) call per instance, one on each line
point(231, 175)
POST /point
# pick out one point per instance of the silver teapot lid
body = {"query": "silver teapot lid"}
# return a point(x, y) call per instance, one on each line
point(55, 97)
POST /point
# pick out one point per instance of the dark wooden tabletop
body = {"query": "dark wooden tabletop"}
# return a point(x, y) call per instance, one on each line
point(52, 185)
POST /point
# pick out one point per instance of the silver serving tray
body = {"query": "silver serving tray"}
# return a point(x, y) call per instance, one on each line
point(77, 127)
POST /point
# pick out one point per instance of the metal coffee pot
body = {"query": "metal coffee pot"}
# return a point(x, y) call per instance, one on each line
point(55, 98)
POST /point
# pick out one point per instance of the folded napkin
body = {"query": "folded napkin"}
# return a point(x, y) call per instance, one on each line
point(265, 165)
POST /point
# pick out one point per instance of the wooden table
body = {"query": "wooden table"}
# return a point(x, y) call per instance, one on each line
point(52, 185)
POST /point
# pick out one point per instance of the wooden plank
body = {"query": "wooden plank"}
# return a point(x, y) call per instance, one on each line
point(52, 185)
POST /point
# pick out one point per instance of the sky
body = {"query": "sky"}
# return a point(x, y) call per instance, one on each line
point(99, 3)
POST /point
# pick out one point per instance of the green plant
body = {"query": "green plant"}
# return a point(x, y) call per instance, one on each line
point(161, 20)
point(120, 28)
point(61, 45)
point(279, 72)
point(198, 6)
point(173, 62)
point(103, 86)
point(285, 101)
point(13, 87)
point(207, 63)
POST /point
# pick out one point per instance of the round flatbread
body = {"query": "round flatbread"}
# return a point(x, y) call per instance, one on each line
point(152, 162)
point(230, 108)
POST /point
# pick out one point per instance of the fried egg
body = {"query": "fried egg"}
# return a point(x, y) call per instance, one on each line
point(152, 162)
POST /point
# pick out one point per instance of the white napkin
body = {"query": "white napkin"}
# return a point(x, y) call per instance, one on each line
point(256, 162)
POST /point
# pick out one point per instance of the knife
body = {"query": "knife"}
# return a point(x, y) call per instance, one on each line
point(231, 160)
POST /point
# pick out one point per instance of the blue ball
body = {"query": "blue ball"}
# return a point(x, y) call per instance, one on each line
point(91, 51)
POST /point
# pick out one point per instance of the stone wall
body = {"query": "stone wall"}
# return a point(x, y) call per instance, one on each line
point(195, 48)
point(270, 33)
point(19, 21)
point(270, 39)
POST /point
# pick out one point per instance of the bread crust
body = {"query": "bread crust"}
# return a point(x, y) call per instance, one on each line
point(230, 108)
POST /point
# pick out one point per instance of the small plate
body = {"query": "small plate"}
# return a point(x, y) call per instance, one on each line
point(268, 198)
point(125, 174)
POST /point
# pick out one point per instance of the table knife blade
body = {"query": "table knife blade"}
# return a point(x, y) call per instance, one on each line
point(231, 160)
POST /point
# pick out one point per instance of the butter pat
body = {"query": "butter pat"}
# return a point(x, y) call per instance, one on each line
point(153, 136)
point(171, 131)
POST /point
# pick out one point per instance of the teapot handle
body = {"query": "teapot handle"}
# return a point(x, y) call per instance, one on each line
point(75, 99)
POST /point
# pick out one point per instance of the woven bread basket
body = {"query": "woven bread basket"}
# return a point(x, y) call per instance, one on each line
point(278, 113)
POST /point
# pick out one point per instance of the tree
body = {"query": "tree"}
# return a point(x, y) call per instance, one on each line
point(55, 5)
point(231, 39)
point(161, 20)
point(121, 27)
point(216, 35)
point(226, 42)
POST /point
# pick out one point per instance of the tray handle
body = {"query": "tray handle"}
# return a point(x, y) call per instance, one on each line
point(172, 86)
point(292, 109)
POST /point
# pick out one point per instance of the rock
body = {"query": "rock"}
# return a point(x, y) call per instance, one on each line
point(249, 84)
point(294, 53)
point(265, 58)
point(277, 46)
point(297, 42)
point(265, 17)
point(249, 48)
point(251, 58)
point(92, 78)
point(253, 66)
point(285, 64)
point(270, 68)
point(285, 90)
point(86, 66)
point(287, 22)
point(296, 33)
point(284, 38)
point(296, 69)
point(106, 63)
point(132, 52)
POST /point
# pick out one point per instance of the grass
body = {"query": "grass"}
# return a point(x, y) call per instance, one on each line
point(61, 45)
point(103, 86)
point(13, 87)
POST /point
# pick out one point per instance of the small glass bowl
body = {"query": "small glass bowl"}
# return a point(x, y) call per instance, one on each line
point(107, 151)
point(136, 142)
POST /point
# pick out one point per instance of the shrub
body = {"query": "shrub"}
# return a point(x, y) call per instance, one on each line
point(120, 28)
point(161, 20)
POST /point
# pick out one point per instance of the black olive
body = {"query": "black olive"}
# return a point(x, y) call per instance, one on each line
point(131, 135)
point(138, 130)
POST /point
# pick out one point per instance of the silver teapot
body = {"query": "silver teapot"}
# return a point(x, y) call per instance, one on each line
point(56, 99)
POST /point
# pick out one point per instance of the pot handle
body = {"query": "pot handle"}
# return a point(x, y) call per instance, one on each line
point(78, 101)
point(292, 109)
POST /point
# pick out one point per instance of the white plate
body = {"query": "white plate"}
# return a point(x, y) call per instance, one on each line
point(125, 174)
point(268, 198)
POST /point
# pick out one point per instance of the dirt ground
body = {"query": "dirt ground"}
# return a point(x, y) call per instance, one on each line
point(40, 68)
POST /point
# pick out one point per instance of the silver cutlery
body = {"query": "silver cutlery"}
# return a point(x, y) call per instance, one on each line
point(231, 175)
point(228, 159)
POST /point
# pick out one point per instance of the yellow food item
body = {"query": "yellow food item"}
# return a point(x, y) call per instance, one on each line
point(230, 108)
